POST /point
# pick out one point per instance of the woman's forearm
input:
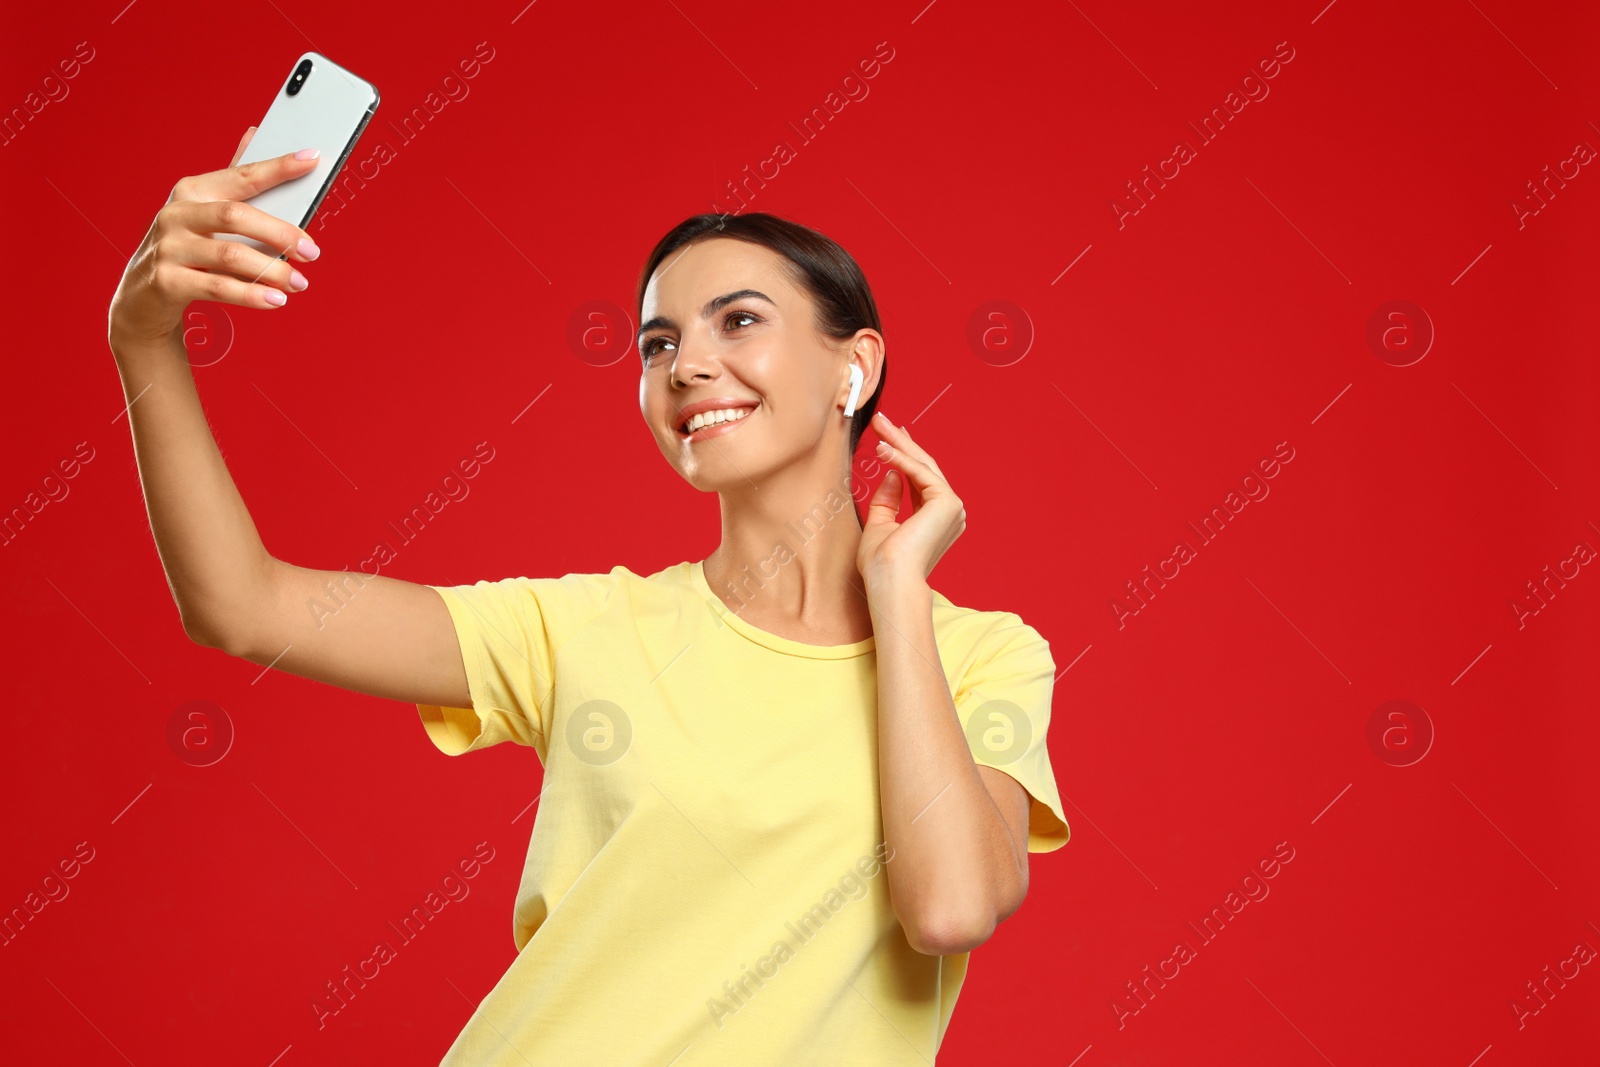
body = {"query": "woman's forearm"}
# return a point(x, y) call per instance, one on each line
point(952, 847)
point(208, 543)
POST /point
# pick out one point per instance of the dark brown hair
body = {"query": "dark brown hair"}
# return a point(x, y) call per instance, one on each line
point(816, 265)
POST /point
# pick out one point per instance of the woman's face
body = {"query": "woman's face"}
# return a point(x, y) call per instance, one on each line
point(758, 353)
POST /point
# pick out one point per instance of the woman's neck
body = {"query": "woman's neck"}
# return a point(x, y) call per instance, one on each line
point(794, 575)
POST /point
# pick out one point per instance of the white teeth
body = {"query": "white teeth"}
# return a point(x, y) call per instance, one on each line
point(707, 418)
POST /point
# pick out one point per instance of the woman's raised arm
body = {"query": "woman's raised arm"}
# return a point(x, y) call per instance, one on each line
point(389, 638)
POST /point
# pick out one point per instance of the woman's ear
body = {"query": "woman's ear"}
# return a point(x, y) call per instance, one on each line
point(866, 355)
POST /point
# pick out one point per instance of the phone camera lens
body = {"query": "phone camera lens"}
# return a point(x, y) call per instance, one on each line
point(299, 77)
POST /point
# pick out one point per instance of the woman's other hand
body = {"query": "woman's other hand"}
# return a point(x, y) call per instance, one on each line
point(891, 549)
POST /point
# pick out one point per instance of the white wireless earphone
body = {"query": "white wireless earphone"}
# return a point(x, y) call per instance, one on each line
point(856, 379)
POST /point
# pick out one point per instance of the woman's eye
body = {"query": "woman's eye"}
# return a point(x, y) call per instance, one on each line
point(650, 349)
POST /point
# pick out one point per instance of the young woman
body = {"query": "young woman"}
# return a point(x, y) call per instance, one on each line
point(788, 788)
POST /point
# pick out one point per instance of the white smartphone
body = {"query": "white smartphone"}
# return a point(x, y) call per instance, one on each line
point(324, 106)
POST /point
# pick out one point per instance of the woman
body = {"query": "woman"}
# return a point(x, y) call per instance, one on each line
point(788, 788)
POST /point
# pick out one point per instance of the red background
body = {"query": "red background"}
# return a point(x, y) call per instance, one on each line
point(1228, 315)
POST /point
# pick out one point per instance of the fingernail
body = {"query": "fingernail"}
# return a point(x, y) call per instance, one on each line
point(297, 281)
point(308, 248)
point(307, 153)
point(885, 418)
point(883, 447)
point(276, 298)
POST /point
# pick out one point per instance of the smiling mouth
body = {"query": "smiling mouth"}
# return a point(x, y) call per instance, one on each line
point(715, 429)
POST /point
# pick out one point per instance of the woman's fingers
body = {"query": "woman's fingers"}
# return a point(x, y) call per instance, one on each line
point(242, 181)
point(926, 475)
point(225, 289)
point(196, 266)
point(886, 499)
point(900, 438)
point(235, 216)
point(919, 476)
point(922, 475)
point(261, 278)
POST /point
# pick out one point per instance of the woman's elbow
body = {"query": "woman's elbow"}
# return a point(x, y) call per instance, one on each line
point(951, 936)
point(951, 927)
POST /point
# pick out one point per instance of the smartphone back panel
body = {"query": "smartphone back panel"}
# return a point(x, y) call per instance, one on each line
point(328, 112)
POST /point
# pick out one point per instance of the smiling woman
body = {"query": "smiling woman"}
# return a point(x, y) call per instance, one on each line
point(814, 271)
point(719, 738)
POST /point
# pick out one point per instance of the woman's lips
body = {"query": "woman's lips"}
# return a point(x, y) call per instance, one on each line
point(720, 428)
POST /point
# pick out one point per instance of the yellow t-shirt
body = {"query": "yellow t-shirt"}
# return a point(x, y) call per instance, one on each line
point(705, 880)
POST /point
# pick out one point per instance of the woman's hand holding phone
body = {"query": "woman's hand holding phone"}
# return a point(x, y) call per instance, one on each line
point(179, 261)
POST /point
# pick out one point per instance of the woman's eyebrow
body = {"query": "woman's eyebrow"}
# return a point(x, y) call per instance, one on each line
point(714, 305)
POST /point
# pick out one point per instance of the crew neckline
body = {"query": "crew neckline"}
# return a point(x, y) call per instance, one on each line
point(785, 645)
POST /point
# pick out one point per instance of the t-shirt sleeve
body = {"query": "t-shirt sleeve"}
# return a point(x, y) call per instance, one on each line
point(504, 632)
point(1003, 702)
